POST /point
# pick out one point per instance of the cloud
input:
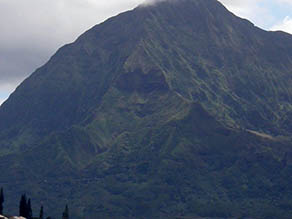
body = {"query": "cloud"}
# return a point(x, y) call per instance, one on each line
point(285, 21)
point(257, 11)
point(32, 30)
point(285, 1)
point(285, 25)
point(5, 90)
point(2, 99)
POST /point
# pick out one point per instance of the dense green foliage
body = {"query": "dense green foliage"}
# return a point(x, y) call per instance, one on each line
point(165, 110)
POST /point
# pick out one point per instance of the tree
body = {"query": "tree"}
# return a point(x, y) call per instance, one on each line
point(66, 213)
point(23, 206)
point(41, 213)
point(25, 209)
point(29, 210)
point(1, 201)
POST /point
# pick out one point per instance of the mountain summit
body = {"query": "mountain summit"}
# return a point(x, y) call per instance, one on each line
point(173, 108)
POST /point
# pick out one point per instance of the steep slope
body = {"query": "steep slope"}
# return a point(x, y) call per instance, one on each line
point(170, 109)
point(72, 83)
point(240, 73)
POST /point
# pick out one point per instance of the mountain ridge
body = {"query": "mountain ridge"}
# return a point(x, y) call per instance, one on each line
point(157, 111)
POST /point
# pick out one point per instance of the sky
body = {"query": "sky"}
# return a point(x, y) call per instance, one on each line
point(32, 30)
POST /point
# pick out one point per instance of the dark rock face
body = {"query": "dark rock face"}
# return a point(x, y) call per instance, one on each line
point(138, 81)
point(179, 108)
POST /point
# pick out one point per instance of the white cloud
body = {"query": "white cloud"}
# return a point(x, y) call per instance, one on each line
point(285, 25)
point(285, 1)
point(5, 90)
point(2, 100)
point(252, 10)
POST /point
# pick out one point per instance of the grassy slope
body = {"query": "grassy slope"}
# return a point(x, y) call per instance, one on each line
point(187, 164)
point(153, 122)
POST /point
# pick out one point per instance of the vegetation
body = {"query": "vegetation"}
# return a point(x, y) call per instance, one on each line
point(163, 111)
point(66, 213)
point(41, 213)
point(25, 209)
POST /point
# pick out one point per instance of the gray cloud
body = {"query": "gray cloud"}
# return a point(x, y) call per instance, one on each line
point(32, 30)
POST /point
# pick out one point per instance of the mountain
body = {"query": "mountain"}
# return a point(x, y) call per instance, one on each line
point(178, 108)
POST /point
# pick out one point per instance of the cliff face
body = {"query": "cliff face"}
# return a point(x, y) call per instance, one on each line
point(170, 109)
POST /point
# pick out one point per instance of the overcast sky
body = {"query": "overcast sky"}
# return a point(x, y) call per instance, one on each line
point(32, 30)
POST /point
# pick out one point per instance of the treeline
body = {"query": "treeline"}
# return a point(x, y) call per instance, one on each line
point(25, 209)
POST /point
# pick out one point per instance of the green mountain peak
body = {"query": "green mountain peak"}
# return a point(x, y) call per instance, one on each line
point(177, 108)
